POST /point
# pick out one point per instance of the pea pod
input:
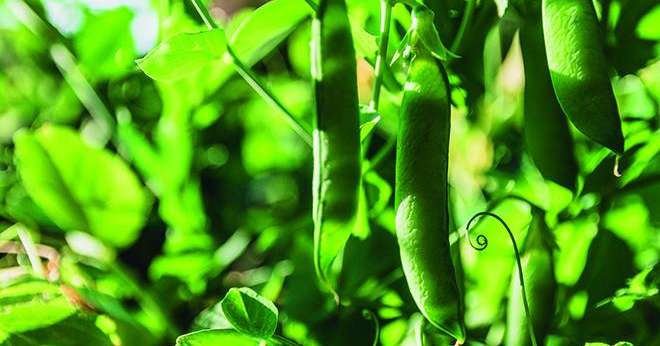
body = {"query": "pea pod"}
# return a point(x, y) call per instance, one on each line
point(422, 223)
point(541, 286)
point(336, 178)
point(579, 70)
point(546, 130)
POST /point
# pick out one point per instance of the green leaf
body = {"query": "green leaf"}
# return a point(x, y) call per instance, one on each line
point(73, 331)
point(266, 28)
point(79, 187)
point(20, 303)
point(216, 337)
point(184, 54)
point(105, 44)
point(422, 25)
point(250, 313)
point(368, 121)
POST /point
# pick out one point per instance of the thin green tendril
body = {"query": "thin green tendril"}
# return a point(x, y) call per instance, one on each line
point(369, 315)
point(482, 243)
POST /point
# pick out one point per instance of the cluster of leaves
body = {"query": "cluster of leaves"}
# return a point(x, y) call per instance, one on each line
point(134, 195)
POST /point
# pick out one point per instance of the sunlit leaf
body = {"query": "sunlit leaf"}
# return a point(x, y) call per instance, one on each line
point(266, 27)
point(184, 54)
point(79, 187)
point(105, 44)
point(20, 303)
point(213, 337)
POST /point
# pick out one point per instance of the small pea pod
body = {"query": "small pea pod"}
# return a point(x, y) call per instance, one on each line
point(579, 70)
point(547, 135)
point(336, 179)
point(422, 223)
point(541, 286)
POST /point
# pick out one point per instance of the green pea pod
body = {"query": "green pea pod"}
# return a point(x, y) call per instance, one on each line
point(422, 223)
point(547, 135)
point(336, 179)
point(579, 70)
point(540, 285)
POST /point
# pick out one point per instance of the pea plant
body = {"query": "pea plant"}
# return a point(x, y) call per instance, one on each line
point(329, 172)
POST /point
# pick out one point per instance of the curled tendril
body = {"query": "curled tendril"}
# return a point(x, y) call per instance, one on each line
point(369, 315)
point(482, 243)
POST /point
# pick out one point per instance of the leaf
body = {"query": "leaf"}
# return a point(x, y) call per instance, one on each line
point(422, 25)
point(20, 303)
point(184, 54)
point(250, 313)
point(73, 331)
point(364, 42)
point(266, 27)
point(105, 44)
point(368, 121)
point(79, 187)
point(216, 337)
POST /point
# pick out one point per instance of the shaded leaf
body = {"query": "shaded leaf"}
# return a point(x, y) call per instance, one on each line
point(250, 313)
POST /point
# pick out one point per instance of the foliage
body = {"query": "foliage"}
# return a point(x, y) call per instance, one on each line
point(156, 156)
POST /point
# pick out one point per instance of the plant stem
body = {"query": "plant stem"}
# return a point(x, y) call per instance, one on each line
point(283, 340)
point(465, 21)
point(206, 16)
point(313, 5)
point(253, 80)
point(384, 37)
point(30, 250)
point(269, 97)
point(66, 63)
point(482, 243)
point(381, 154)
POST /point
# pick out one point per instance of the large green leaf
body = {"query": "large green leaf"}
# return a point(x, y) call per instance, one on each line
point(184, 54)
point(73, 331)
point(105, 44)
point(266, 27)
point(81, 187)
point(250, 313)
point(20, 303)
point(213, 337)
point(258, 34)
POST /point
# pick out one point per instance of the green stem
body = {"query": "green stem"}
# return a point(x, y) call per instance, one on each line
point(482, 243)
point(269, 97)
point(369, 315)
point(384, 37)
point(380, 155)
point(66, 63)
point(313, 5)
point(30, 250)
point(465, 21)
point(284, 341)
point(253, 80)
point(206, 16)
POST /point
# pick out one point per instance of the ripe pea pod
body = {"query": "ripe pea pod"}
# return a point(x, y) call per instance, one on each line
point(336, 178)
point(579, 70)
point(541, 286)
point(546, 130)
point(422, 223)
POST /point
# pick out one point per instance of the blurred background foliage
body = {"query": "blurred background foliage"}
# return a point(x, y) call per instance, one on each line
point(147, 200)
